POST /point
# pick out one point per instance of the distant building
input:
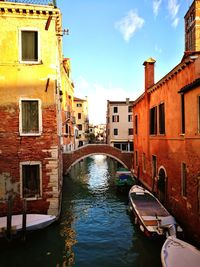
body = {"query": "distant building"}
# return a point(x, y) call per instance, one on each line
point(167, 132)
point(97, 133)
point(119, 127)
point(30, 106)
point(68, 117)
point(82, 120)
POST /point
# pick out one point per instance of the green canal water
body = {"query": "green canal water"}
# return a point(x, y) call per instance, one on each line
point(95, 229)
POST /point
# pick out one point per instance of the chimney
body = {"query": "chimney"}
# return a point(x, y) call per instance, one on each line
point(149, 73)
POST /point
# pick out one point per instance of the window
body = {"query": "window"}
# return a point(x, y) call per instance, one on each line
point(130, 118)
point(30, 179)
point(184, 179)
point(124, 147)
point(198, 114)
point(162, 118)
point(130, 131)
point(117, 145)
point(30, 117)
point(79, 116)
point(29, 46)
point(80, 127)
point(79, 105)
point(136, 124)
point(130, 108)
point(115, 118)
point(182, 114)
point(115, 131)
point(153, 120)
point(115, 109)
point(144, 162)
point(66, 129)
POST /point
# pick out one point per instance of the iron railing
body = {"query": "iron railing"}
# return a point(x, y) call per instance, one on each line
point(35, 2)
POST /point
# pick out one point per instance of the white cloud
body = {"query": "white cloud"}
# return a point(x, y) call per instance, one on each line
point(97, 98)
point(129, 24)
point(156, 6)
point(173, 8)
point(175, 22)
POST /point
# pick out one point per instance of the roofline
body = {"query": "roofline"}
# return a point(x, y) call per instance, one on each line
point(190, 86)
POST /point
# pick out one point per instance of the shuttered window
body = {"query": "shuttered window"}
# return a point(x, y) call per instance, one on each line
point(30, 116)
point(162, 118)
point(31, 181)
point(153, 120)
point(29, 46)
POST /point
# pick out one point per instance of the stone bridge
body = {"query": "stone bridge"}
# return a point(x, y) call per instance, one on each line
point(72, 157)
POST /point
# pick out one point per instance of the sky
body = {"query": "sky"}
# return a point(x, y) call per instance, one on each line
point(109, 40)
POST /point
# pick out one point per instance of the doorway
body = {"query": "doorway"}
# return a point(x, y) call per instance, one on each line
point(162, 185)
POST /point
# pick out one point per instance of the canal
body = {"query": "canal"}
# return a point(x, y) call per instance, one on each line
point(95, 229)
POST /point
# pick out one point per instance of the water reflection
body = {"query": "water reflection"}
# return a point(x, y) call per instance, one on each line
point(99, 231)
point(95, 229)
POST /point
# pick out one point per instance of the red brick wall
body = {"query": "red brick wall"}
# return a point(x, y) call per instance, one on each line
point(15, 149)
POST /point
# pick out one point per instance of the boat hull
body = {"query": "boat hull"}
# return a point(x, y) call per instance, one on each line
point(177, 253)
point(33, 222)
point(154, 220)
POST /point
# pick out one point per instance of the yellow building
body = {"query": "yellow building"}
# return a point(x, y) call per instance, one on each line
point(30, 106)
point(68, 107)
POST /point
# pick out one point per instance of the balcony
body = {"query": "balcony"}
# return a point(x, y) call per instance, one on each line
point(34, 2)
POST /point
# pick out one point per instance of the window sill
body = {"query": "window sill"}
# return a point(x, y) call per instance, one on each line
point(33, 198)
point(39, 62)
point(30, 134)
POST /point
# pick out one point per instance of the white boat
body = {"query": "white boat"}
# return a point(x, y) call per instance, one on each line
point(33, 222)
point(150, 214)
point(177, 253)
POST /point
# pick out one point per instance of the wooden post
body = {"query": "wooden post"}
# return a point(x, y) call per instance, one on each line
point(24, 220)
point(9, 218)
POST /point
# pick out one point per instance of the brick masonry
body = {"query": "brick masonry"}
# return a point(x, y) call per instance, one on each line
point(15, 149)
point(69, 159)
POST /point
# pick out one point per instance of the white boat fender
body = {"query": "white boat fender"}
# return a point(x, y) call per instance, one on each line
point(142, 228)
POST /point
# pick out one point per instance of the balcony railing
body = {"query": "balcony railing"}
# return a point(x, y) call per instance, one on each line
point(35, 2)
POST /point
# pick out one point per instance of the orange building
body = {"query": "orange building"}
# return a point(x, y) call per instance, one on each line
point(167, 132)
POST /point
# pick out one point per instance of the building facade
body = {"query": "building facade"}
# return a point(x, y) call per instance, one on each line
point(82, 121)
point(68, 118)
point(30, 107)
point(167, 136)
point(119, 126)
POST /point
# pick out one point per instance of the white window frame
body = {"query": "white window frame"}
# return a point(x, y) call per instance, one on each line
point(20, 45)
point(39, 117)
point(21, 178)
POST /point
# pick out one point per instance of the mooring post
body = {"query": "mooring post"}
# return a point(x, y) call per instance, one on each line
point(24, 220)
point(9, 218)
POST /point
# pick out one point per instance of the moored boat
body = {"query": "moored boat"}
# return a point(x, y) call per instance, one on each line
point(33, 222)
point(150, 214)
point(124, 182)
point(178, 253)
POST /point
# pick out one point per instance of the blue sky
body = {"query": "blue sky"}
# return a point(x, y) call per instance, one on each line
point(109, 40)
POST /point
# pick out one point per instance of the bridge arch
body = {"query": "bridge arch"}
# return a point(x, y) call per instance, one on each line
point(73, 157)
